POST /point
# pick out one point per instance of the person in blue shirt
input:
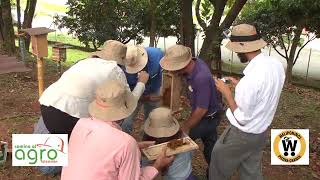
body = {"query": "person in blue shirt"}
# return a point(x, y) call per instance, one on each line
point(143, 59)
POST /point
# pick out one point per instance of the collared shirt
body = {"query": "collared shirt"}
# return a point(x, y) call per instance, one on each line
point(153, 68)
point(202, 89)
point(257, 94)
point(99, 150)
point(75, 89)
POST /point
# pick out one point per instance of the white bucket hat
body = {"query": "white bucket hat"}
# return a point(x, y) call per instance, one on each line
point(112, 51)
point(136, 59)
point(244, 38)
point(113, 102)
point(161, 123)
point(177, 57)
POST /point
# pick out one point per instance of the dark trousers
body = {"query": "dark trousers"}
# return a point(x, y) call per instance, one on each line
point(56, 121)
point(206, 130)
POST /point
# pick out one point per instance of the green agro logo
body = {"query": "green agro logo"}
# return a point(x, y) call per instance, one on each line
point(28, 152)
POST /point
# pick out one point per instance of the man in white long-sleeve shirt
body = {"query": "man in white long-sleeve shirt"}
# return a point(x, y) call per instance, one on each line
point(252, 109)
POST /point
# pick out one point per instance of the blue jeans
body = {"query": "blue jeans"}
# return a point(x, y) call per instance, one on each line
point(148, 106)
point(40, 128)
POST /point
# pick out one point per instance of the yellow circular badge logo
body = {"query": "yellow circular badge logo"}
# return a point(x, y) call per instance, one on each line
point(289, 146)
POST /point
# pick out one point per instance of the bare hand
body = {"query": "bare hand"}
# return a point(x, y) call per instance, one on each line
point(143, 77)
point(222, 87)
point(163, 160)
point(233, 80)
point(145, 144)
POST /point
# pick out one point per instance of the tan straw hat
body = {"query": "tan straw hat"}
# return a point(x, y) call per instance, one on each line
point(244, 38)
point(177, 57)
point(113, 102)
point(161, 123)
point(136, 59)
point(112, 51)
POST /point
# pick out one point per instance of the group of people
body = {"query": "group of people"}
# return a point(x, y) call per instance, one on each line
point(97, 100)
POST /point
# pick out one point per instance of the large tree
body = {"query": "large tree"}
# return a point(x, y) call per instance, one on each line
point(213, 30)
point(281, 23)
point(186, 25)
point(163, 20)
point(96, 21)
point(28, 18)
point(6, 27)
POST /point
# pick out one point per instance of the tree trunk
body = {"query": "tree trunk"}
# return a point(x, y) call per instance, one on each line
point(210, 50)
point(7, 27)
point(188, 34)
point(28, 17)
point(294, 45)
point(152, 23)
point(19, 14)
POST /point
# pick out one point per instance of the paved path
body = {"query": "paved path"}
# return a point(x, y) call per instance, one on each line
point(11, 64)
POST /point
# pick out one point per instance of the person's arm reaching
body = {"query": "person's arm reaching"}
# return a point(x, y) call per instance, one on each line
point(202, 103)
point(242, 107)
point(138, 90)
point(130, 164)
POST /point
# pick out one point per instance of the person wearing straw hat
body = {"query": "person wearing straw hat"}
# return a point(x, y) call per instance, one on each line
point(140, 59)
point(162, 127)
point(99, 149)
point(64, 102)
point(205, 99)
point(251, 111)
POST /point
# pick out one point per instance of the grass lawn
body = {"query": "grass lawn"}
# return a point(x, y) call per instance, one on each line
point(75, 51)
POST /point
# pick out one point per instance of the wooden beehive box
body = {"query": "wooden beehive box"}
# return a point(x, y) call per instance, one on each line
point(39, 40)
point(59, 52)
point(153, 152)
point(170, 90)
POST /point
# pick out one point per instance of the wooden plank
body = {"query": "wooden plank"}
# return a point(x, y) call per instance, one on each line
point(166, 90)
point(175, 93)
point(170, 91)
point(153, 152)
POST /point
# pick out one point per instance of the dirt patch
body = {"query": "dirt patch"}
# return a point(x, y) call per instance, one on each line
point(298, 108)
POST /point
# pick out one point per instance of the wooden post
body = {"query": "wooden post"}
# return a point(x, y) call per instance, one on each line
point(40, 50)
point(40, 69)
point(170, 90)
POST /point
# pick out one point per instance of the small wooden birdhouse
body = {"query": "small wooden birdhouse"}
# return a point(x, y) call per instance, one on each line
point(39, 49)
point(39, 40)
point(171, 90)
point(59, 52)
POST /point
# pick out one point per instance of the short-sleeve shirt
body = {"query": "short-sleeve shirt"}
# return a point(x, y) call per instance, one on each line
point(202, 89)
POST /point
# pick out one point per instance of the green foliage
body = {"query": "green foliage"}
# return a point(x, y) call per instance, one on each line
point(167, 18)
point(206, 10)
point(95, 21)
point(279, 19)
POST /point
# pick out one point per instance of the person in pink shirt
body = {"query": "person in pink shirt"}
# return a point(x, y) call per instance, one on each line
point(100, 150)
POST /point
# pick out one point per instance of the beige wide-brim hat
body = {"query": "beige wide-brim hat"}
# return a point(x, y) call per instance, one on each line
point(176, 58)
point(244, 38)
point(136, 59)
point(161, 123)
point(112, 51)
point(113, 102)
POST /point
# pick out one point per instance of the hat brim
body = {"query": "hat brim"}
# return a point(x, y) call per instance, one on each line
point(244, 47)
point(142, 62)
point(113, 113)
point(168, 65)
point(161, 132)
point(103, 56)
